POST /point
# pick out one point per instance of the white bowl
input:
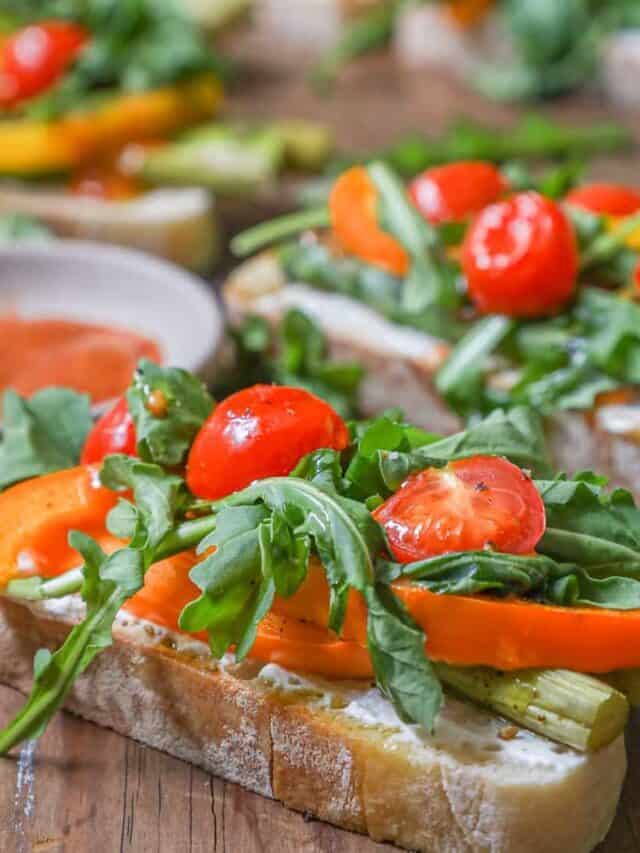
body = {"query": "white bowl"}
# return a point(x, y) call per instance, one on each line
point(111, 286)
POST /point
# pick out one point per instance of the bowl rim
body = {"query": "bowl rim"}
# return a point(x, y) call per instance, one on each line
point(170, 277)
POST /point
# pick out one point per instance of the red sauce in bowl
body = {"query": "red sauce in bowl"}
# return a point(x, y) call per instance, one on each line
point(96, 360)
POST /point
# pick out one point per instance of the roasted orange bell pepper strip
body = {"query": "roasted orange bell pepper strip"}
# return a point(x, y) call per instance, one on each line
point(37, 515)
point(354, 219)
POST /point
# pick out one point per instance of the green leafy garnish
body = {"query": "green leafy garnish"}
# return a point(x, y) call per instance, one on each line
point(516, 434)
point(295, 353)
point(264, 538)
point(107, 581)
point(168, 405)
point(431, 281)
point(134, 46)
point(42, 434)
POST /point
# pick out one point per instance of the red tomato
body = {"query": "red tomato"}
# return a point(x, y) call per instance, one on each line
point(36, 56)
point(481, 502)
point(452, 193)
point(115, 432)
point(605, 199)
point(260, 432)
point(520, 257)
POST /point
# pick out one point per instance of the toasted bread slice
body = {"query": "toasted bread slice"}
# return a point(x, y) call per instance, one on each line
point(401, 364)
point(331, 749)
point(178, 224)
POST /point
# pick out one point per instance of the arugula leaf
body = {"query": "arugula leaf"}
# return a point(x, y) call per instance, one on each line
point(579, 589)
point(165, 437)
point(598, 531)
point(108, 582)
point(296, 354)
point(516, 434)
point(303, 361)
point(387, 433)
point(461, 378)
point(263, 540)
point(159, 497)
point(403, 672)
point(472, 572)
point(42, 434)
point(432, 281)
point(314, 263)
point(612, 327)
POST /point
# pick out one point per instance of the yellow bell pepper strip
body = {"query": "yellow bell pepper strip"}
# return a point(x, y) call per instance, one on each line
point(32, 148)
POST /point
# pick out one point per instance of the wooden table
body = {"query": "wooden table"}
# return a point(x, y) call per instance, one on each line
point(88, 790)
point(91, 790)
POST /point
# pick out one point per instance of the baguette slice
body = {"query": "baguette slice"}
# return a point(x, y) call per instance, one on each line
point(401, 364)
point(333, 750)
point(178, 224)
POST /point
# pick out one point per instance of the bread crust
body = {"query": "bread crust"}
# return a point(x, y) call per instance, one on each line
point(401, 365)
point(433, 795)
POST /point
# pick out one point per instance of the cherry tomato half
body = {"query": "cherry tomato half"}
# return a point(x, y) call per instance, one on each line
point(114, 432)
point(260, 432)
point(605, 199)
point(35, 57)
point(453, 192)
point(353, 209)
point(484, 501)
point(520, 257)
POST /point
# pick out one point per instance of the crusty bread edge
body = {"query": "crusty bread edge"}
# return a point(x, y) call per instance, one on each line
point(307, 756)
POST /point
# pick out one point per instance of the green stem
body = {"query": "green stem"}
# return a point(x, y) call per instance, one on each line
point(569, 707)
point(185, 536)
point(35, 714)
point(266, 233)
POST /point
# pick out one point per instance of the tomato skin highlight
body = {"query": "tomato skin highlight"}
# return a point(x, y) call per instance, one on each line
point(259, 432)
point(114, 432)
point(453, 192)
point(520, 257)
point(354, 218)
point(34, 58)
point(605, 199)
point(469, 505)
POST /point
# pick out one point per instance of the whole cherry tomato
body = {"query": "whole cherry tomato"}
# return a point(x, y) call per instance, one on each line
point(605, 199)
point(520, 257)
point(353, 207)
point(476, 503)
point(35, 57)
point(262, 431)
point(453, 192)
point(114, 432)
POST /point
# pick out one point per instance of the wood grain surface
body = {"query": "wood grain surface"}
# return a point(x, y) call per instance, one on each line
point(83, 789)
point(87, 790)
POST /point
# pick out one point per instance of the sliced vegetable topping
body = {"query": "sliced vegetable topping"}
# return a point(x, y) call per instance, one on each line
point(520, 257)
point(605, 199)
point(453, 192)
point(475, 503)
point(353, 207)
point(115, 432)
point(294, 569)
point(34, 58)
point(260, 432)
